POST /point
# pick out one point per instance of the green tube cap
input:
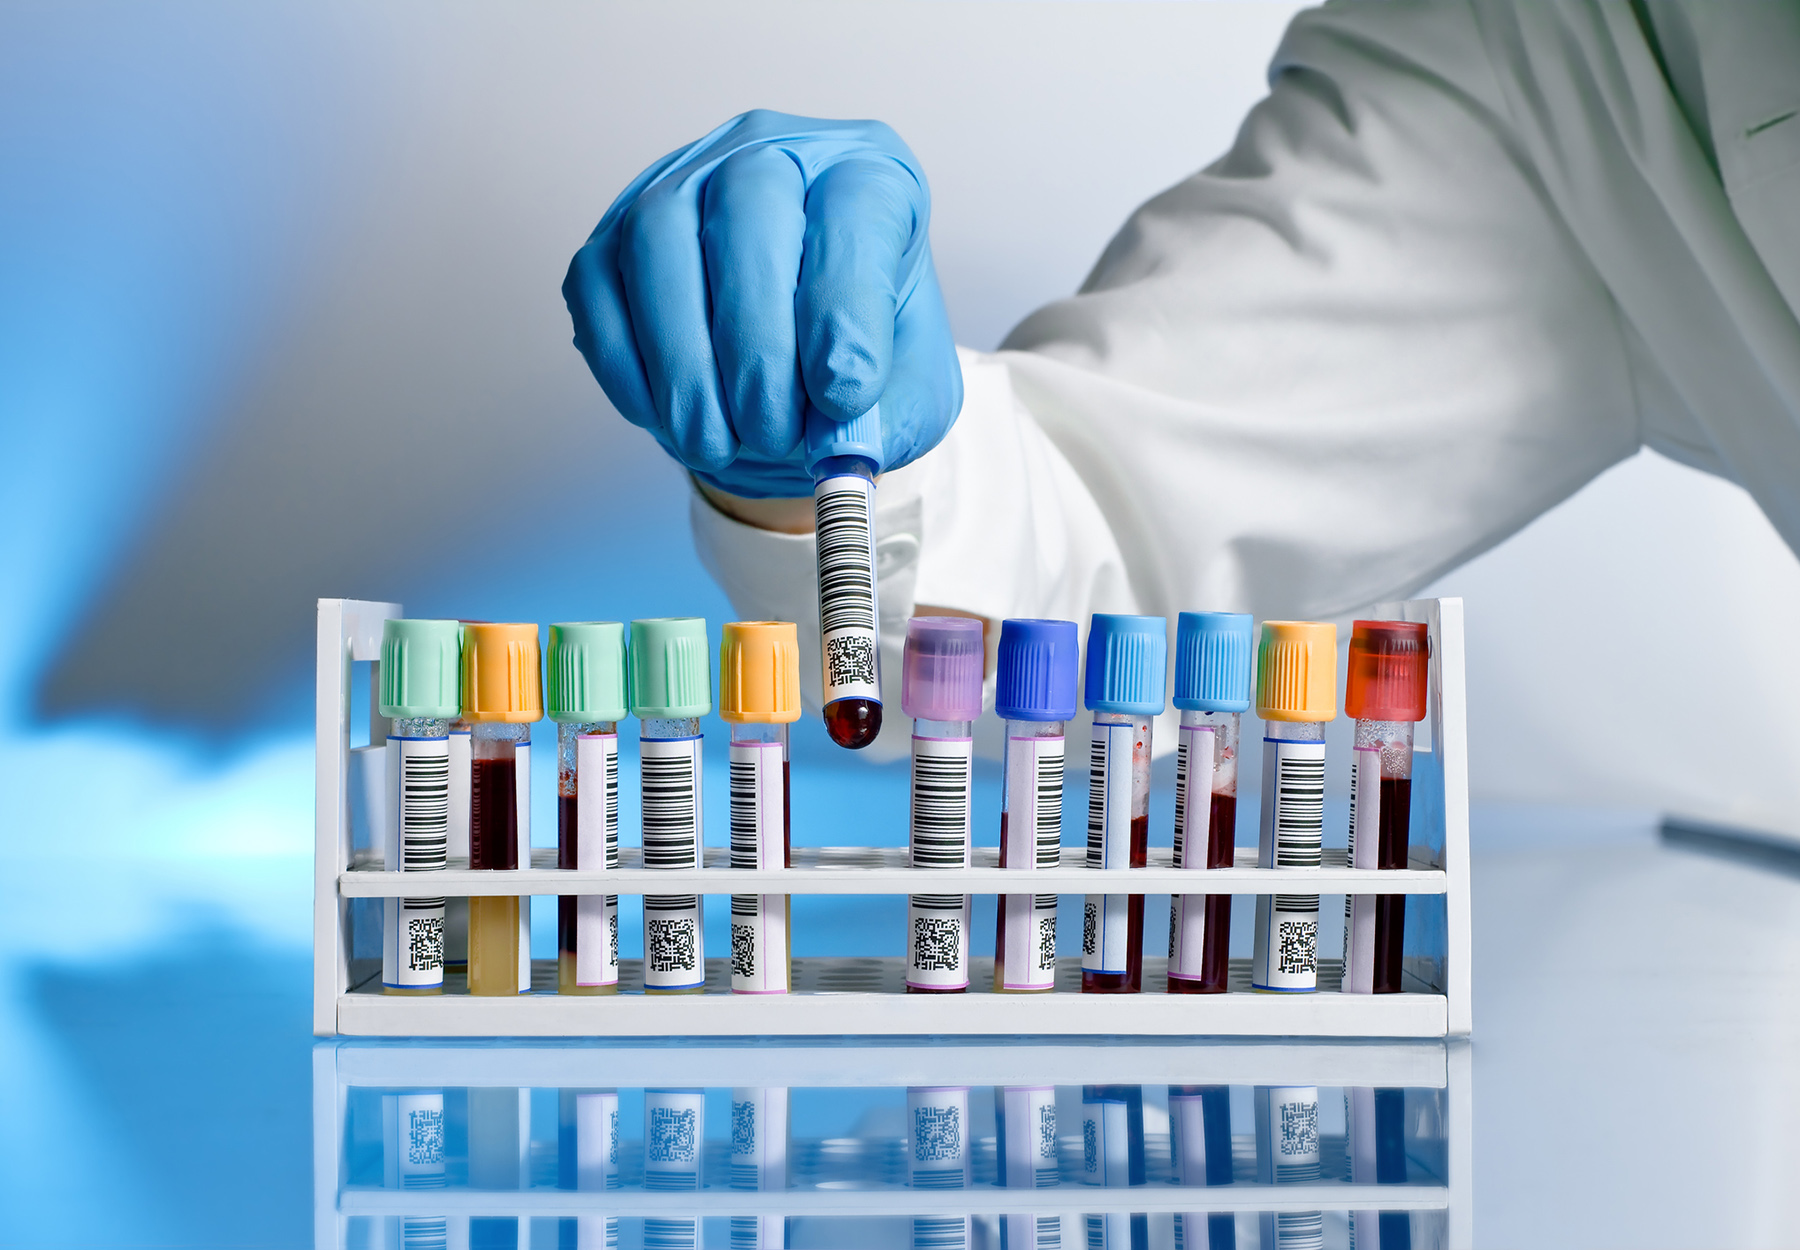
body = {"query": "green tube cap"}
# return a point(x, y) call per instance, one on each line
point(671, 668)
point(421, 669)
point(587, 672)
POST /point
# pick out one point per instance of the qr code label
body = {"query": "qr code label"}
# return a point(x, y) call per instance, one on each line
point(1299, 1128)
point(1046, 1131)
point(937, 944)
point(743, 952)
point(743, 1128)
point(1090, 1146)
point(1090, 928)
point(425, 943)
point(849, 659)
point(672, 1135)
point(1297, 948)
point(671, 943)
point(1046, 943)
point(937, 1134)
point(612, 936)
point(424, 1137)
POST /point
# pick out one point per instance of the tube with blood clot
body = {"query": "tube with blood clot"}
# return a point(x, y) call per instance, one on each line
point(844, 458)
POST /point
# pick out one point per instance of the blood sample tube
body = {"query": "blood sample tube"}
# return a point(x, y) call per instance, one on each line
point(759, 1161)
point(456, 910)
point(1200, 1155)
point(939, 1157)
point(1287, 1153)
point(1212, 689)
point(1384, 691)
point(502, 695)
point(1296, 693)
point(674, 1146)
point(587, 1158)
point(1034, 692)
point(1025, 1154)
point(1375, 1141)
point(420, 693)
point(940, 688)
point(671, 689)
point(1112, 1156)
point(843, 458)
point(759, 697)
point(585, 696)
point(1127, 675)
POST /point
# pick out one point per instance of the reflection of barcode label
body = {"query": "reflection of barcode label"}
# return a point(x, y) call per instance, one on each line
point(1193, 794)
point(1027, 1145)
point(759, 1135)
point(424, 1233)
point(940, 802)
point(671, 1234)
point(670, 768)
point(937, 1134)
point(1287, 1134)
point(843, 511)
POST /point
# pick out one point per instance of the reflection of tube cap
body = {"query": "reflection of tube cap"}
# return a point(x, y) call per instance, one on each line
point(501, 674)
point(1127, 664)
point(759, 673)
point(940, 674)
point(586, 665)
point(1296, 671)
point(421, 669)
point(1212, 661)
point(671, 668)
point(1037, 668)
point(1387, 671)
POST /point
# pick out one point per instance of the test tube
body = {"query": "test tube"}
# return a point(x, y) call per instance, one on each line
point(759, 697)
point(674, 1142)
point(420, 693)
point(671, 689)
point(844, 458)
point(1296, 693)
point(585, 696)
point(1127, 674)
point(1212, 689)
point(1025, 1154)
point(413, 1158)
point(502, 695)
point(588, 1160)
point(940, 688)
point(1200, 1155)
point(939, 1158)
point(1375, 1140)
point(1112, 1156)
point(1034, 693)
point(1384, 692)
point(1287, 1153)
point(759, 1161)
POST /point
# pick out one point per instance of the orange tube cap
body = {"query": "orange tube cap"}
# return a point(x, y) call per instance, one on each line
point(1387, 671)
point(759, 673)
point(502, 677)
point(1296, 671)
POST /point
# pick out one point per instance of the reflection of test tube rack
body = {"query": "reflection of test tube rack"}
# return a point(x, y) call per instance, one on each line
point(1422, 1140)
point(829, 992)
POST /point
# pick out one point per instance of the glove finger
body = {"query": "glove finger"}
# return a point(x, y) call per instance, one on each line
point(595, 294)
point(754, 223)
point(861, 217)
point(665, 291)
point(925, 387)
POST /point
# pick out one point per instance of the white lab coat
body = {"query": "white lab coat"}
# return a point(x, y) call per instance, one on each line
point(1461, 259)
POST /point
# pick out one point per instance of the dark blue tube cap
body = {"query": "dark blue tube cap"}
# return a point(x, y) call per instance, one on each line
point(1213, 654)
point(1127, 664)
point(1038, 664)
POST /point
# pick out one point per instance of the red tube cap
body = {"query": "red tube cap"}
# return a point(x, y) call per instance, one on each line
point(1387, 671)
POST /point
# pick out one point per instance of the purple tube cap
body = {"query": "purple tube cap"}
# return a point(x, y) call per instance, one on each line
point(940, 675)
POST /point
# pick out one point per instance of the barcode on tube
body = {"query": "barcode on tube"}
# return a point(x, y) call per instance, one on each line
point(940, 809)
point(1049, 803)
point(1096, 840)
point(745, 803)
point(671, 810)
point(846, 561)
point(1181, 774)
point(424, 811)
point(612, 808)
point(1299, 811)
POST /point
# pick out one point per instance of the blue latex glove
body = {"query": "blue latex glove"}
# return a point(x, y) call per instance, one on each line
point(777, 261)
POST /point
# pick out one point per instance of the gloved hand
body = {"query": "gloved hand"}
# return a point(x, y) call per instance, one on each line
point(779, 260)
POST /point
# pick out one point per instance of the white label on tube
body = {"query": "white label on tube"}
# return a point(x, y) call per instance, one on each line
point(1287, 1134)
point(1033, 839)
point(522, 807)
point(597, 847)
point(1193, 795)
point(674, 947)
point(1291, 836)
point(415, 1129)
point(759, 1161)
point(937, 925)
point(456, 910)
point(1365, 851)
point(1187, 1138)
point(674, 1138)
point(759, 937)
point(844, 515)
point(597, 1140)
point(1029, 1113)
point(1105, 1142)
point(938, 1137)
point(417, 841)
point(1105, 929)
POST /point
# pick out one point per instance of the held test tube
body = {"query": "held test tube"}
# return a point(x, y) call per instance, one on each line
point(1212, 689)
point(420, 694)
point(671, 689)
point(1127, 673)
point(585, 696)
point(940, 688)
point(844, 458)
point(1384, 691)
point(1034, 693)
point(502, 695)
point(759, 697)
point(1296, 693)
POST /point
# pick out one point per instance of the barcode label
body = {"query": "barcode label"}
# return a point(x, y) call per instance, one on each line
point(1187, 1139)
point(424, 803)
point(1029, 1132)
point(671, 1234)
point(937, 941)
point(1109, 797)
point(674, 942)
point(759, 943)
point(461, 741)
point(758, 806)
point(418, 840)
point(940, 802)
point(1031, 838)
point(670, 768)
point(938, 1154)
point(1105, 1142)
point(1193, 794)
point(1031, 1232)
point(941, 1232)
point(597, 823)
point(843, 512)
point(1187, 936)
point(758, 1232)
point(597, 1141)
point(1291, 836)
point(1365, 852)
point(759, 1139)
point(415, 1126)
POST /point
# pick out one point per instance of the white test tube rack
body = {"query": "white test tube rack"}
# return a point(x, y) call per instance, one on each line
point(1442, 1164)
point(839, 996)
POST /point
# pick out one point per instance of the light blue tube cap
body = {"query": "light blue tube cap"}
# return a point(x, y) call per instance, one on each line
point(1213, 661)
point(859, 436)
point(1127, 664)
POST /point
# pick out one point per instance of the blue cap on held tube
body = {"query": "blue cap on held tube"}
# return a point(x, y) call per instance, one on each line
point(1036, 670)
point(1214, 654)
point(1127, 664)
point(859, 436)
